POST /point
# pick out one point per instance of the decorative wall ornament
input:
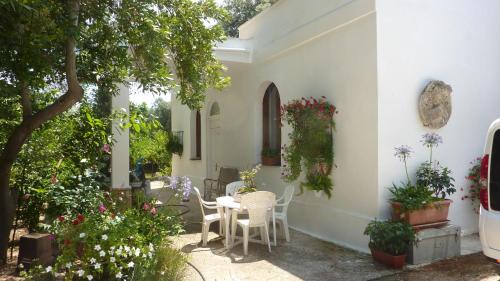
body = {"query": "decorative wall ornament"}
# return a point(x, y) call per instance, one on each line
point(435, 104)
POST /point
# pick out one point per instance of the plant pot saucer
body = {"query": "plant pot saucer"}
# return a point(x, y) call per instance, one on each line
point(419, 227)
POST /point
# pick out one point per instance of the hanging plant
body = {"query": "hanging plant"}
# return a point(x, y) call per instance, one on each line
point(311, 143)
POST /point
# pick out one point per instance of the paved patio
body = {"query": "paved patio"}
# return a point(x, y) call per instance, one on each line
point(304, 258)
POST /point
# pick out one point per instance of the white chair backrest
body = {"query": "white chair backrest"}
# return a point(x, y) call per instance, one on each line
point(287, 198)
point(258, 205)
point(200, 199)
point(233, 187)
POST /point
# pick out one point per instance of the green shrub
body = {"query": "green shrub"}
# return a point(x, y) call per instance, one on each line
point(390, 237)
point(436, 178)
point(412, 197)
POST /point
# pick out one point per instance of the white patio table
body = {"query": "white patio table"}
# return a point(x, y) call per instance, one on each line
point(228, 203)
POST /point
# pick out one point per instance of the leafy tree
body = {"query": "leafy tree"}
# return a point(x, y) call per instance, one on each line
point(67, 47)
point(241, 11)
point(163, 111)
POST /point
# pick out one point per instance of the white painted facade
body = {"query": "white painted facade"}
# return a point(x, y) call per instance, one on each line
point(371, 59)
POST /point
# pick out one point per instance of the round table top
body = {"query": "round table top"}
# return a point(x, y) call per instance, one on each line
point(227, 202)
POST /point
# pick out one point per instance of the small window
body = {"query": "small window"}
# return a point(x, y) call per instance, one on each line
point(495, 173)
point(196, 136)
point(271, 120)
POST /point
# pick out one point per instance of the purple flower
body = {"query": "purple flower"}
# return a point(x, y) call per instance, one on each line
point(431, 140)
point(403, 152)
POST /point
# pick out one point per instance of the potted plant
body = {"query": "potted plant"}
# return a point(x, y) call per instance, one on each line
point(389, 241)
point(270, 157)
point(248, 177)
point(425, 201)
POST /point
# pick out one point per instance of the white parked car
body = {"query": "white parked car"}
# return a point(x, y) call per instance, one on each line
point(489, 212)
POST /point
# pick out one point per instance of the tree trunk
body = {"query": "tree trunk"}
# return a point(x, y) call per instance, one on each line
point(30, 123)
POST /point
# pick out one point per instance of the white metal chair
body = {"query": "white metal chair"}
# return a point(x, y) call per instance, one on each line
point(259, 207)
point(209, 218)
point(282, 206)
point(233, 187)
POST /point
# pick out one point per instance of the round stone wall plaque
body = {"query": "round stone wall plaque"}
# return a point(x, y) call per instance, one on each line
point(435, 104)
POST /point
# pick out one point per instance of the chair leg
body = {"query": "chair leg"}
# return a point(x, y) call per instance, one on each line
point(266, 228)
point(285, 228)
point(245, 240)
point(204, 234)
point(262, 238)
point(233, 228)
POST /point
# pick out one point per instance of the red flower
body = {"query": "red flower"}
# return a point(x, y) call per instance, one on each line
point(153, 211)
point(60, 218)
point(76, 222)
point(80, 218)
point(146, 207)
point(67, 242)
point(102, 209)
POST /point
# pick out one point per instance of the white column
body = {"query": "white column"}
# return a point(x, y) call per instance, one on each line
point(120, 150)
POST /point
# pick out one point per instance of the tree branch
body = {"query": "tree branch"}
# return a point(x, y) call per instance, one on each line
point(25, 99)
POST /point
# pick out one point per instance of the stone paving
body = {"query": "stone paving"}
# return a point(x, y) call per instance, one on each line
point(308, 258)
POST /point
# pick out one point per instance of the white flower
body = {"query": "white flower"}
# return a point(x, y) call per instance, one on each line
point(130, 264)
point(48, 269)
point(119, 252)
point(90, 277)
point(144, 255)
point(162, 273)
point(119, 275)
point(97, 247)
point(151, 248)
point(82, 234)
point(104, 237)
point(150, 254)
point(21, 266)
point(112, 259)
point(68, 265)
point(92, 261)
point(137, 252)
point(80, 272)
point(127, 249)
point(112, 248)
point(102, 253)
point(97, 265)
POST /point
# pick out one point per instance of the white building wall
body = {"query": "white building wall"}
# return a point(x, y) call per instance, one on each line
point(329, 50)
point(451, 40)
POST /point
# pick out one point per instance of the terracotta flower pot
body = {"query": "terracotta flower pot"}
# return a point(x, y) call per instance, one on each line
point(388, 259)
point(271, 160)
point(432, 213)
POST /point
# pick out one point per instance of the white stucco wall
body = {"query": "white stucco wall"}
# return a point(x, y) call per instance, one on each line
point(120, 149)
point(451, 40)
point(329, 50)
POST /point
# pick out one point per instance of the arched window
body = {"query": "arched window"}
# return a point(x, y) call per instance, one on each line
point(196, 135)
point(271, 142)
point(215, 109)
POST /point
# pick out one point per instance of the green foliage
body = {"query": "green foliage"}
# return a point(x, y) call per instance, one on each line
point(106, 244)
point(436, 178)
point(390, 237)
point(72, 144)
point(148, 139)
point(269, 152)
point(311, 143)
point(161, 109)
point(476, 183)
point(241, 11)
point(248, 177)
point(175, 145)
point(412, 197)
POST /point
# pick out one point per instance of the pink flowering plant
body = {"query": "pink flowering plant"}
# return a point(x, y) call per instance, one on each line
point(311, 143)
point(111, 245)
point(475, 184)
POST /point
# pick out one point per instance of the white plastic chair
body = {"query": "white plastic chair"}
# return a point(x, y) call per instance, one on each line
point(259, 207)
point(281, 215)
point(209, 218)
point(233, 187)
